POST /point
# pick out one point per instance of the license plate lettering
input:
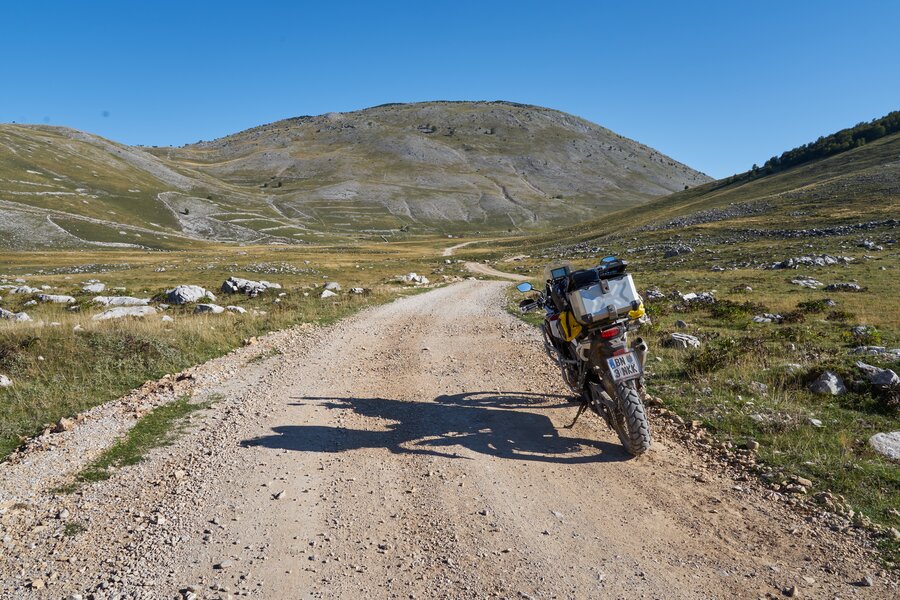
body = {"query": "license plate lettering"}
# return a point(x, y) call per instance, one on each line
point(624, 367)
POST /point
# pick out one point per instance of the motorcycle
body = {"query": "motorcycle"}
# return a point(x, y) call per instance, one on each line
point(588, 316)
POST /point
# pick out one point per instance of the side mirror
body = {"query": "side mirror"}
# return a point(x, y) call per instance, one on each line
point(524, 287)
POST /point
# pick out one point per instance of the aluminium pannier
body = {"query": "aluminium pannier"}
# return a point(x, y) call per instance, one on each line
point(604, 299)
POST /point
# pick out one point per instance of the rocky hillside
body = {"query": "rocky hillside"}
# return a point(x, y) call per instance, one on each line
point(429, 167)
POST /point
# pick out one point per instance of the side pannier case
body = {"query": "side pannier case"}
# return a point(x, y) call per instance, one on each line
point(604, 299)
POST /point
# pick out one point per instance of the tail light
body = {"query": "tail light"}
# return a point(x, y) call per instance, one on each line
point(610, 333)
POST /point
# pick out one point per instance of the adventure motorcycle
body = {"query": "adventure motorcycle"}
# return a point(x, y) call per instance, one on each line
point(588, 315)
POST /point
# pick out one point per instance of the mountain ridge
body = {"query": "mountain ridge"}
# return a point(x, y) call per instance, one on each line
point(435, 167)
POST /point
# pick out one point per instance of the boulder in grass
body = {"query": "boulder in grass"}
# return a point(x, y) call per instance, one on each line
point(186, 294)
point(414, 278)
point(13, 316)
point(844, 287)
point(887, 444)
point(238, 285)
point(327, 294)
point(55, 298)
point(334, 286)
point(24, 289)
point(121, 301)
point(209, 309)
point(120, 312)
point(882, 378)
point(93, 288)
point(828, 384)
point(236, 309)
point(682, 340)
point(5, 381)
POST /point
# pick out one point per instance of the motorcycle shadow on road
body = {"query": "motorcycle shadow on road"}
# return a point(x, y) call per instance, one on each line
point(505, 425)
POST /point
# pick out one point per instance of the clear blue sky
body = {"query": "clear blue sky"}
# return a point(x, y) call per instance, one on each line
point(718, 85)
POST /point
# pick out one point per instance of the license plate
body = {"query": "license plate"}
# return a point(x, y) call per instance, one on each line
point(624, 367)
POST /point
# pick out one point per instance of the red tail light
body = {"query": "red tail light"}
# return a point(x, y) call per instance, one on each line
point(610, 333)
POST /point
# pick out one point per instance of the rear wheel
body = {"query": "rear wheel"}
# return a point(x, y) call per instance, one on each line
point(630, 419)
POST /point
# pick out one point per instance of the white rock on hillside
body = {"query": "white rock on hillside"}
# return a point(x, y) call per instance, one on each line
point(213, 309)
point(334, 286)
point(56, 298)
point(184, 294)
point(327, 294)
point(24, 289)
point(883, 378)
point(414, 279)
point(829, 384)
point(236, 309)
point(94, 288)
point(5, 381)
point(13, 316)
point(682, 340)
point(235, 285)
point(125, 311)
point(886, 444)
point(121, 301)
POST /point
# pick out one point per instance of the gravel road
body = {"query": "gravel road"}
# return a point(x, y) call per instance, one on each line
point(416, 450)
point(482, 269)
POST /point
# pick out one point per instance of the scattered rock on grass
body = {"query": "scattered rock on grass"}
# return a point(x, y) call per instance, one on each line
point(682, 340)
point(125, 311)
point(882, 378)
point(828, 383)
point(807, 282)
point(213, 309)
point(886, 444)
point(13, 316)
point(235, 285)
point(414, 279)
point(327, 294)
point(121, 301)
point(843, 287)
point(768, 318)
point(5, 381)
point(93, 288)
point(236, 309)
point(184, 294)
point(823, 260)
point(55, 298)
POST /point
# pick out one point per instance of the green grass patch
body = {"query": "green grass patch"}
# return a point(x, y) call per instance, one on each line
point(73, 528)
point(158, 428)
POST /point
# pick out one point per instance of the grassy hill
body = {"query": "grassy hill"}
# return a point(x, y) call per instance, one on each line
point(436, 167)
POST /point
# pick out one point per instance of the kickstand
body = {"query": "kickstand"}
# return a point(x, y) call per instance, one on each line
point(581, 409)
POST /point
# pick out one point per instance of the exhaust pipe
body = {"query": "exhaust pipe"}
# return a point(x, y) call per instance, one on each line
point(640, 347)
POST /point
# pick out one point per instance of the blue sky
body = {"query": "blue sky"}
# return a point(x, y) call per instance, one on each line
point(717, 85)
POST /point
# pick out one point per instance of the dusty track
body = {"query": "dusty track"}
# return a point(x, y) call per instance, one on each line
point(482, 269)
point(416, 451)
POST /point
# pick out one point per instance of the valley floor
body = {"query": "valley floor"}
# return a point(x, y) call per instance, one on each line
point(415, 450)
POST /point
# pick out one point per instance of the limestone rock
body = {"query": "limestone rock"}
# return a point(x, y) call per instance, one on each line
point(125, 311)
point(828, 383)
point(55, 298)
point(213, 309)
point(185, 294)
point(238, 285)
point(682, 340)
point(121, 301)
point(886, 444)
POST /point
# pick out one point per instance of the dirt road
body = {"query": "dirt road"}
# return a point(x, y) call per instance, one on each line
point(483, 269)
point(417, 451)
